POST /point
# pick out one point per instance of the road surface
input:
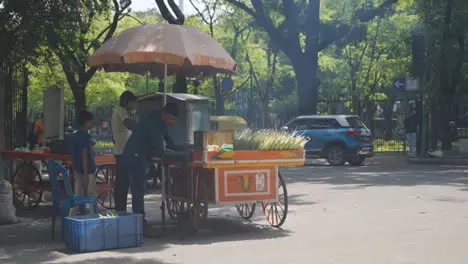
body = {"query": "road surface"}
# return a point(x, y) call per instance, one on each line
point(338, 215)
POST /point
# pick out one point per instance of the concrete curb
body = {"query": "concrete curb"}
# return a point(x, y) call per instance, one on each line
point(435, 161)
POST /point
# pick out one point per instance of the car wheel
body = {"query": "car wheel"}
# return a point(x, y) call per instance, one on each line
point(357, 161)
point(335, 155)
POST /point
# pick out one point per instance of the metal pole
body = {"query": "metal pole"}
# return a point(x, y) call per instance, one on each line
point(147, 81)
point(165, 85)
point(163, 190)
point(424, 127)
point(3, 113)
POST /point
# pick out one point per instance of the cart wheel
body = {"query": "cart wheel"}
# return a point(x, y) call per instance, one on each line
point(175, 208)
point(199, 210)
point(247, 210)
point(276, 212)
point(204, 203)
point(102, 175)
point(194, 215)
point(27, 186)
point(105, 186)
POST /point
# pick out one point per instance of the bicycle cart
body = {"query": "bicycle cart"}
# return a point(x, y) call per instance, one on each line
point(240, 178)
point(29, 183)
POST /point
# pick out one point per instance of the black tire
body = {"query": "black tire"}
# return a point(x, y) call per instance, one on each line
point(356, 161)
point(335, 155)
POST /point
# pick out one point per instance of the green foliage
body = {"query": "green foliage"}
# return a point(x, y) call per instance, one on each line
point(24, 24)
point(355, 56)
point(103, 88)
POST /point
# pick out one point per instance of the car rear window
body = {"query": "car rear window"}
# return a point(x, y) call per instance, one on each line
point(355, 122)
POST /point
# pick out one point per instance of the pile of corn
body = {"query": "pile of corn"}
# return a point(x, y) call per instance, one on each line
point(268, 139)
point(108, 214)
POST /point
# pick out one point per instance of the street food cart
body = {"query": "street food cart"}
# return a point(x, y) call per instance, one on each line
point(193, 113)
point(239, 177)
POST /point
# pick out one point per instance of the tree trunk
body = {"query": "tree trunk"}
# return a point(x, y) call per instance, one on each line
point(388, 117)
point(218, 97)
point(266, 114)
point(307, 85)
point(444, 124)
point(177, 19)
point(371, 107)
point(434, 125)
point(79, 94)
point(180, 85)
point(445, 86)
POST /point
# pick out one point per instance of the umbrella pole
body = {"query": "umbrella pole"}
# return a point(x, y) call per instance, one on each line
point(147, 81)
point(165, 84)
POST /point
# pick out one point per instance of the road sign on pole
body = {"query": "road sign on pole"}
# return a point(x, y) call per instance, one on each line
point(398, 84)
point(227, 84)
point(412, 84)
point(405, 84)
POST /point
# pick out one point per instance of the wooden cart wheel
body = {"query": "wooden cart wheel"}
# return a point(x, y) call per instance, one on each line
point(102, 175)
point(276, 212)
point(27, 186)
point(247, 210)
point(105, 187)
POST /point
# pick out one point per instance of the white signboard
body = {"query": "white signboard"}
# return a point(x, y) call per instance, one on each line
point(412, 84)
point(54, 104)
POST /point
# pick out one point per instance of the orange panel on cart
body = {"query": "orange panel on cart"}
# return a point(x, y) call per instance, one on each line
point(245, 184)
point(250, 155)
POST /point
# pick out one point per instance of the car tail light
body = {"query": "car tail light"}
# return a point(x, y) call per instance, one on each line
point(352, 132)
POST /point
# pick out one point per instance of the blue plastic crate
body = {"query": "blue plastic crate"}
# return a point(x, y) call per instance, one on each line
point(88, 233)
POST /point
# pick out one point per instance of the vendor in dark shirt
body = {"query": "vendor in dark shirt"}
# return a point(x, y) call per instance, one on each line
point(146, 142)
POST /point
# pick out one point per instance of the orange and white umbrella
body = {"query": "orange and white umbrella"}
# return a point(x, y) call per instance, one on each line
point(161, 50)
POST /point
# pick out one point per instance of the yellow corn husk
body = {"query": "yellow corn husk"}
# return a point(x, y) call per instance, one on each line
point(268, 139)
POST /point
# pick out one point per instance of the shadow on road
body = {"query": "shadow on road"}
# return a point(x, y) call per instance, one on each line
point(49, 254)
point(30, 241)
point(113, 260)
point(217, 229)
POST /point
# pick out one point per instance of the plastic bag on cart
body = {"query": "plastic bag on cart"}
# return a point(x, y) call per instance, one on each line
point(7, 209)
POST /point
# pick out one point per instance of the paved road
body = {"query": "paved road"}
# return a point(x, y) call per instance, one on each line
point(338, 215)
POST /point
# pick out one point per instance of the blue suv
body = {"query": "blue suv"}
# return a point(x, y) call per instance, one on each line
point(337, 138)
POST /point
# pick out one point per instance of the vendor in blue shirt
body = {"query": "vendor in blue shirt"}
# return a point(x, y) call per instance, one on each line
point(146, 142)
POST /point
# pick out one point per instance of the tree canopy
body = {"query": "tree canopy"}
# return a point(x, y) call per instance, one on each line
point(292, 54)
